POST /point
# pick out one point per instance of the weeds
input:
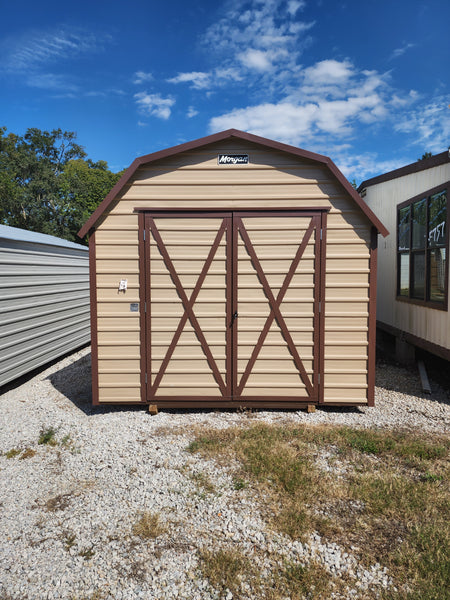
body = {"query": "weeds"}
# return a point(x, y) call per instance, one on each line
point(68, 540)
point(47, 437)
point(27, 453)
point(87, 553)
point(148, 526)
point(13, 453)
point(225, 569)
point(203, 481)
point(59, 502)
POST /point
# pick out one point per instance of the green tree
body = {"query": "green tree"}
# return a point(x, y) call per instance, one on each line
point(46, 183)
point(83, 185)
point(425, 155)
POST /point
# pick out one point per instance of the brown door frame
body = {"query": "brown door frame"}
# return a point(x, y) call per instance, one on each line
point(232, 226)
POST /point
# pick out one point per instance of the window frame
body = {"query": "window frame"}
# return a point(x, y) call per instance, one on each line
point(426, 251)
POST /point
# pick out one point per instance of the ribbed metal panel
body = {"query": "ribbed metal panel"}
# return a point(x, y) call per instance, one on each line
point(44, 300)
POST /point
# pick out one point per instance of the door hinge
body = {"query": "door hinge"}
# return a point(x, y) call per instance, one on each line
point(320, 306)
point(318, 378)
point(145, 306)
point(144, 235)
point(321, 234)
point(146, 378)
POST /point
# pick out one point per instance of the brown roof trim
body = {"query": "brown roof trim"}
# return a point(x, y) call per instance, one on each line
point(218, 137)
point(416, 167)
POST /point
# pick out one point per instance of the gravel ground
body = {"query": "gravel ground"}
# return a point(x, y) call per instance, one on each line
point(68, 511)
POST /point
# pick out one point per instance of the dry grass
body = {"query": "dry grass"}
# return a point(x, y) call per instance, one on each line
point(27, 453)
point(229, 570)
point(148, 526)
point(385, 493)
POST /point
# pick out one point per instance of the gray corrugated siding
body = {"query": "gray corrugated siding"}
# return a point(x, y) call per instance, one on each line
point(44, 304)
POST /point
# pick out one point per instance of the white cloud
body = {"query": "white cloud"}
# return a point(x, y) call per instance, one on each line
point(429, 125)
point(192, 112)
point(198, 79)
point(256, 59)
point(362, 166)
point(51, 81)
point(328, 72)
point(285, 121)
point(142, 77)
point(154, 105)
point(400, 51)
point(294, 6)
point(263, 38)
point(35, 50)
point(331, 98)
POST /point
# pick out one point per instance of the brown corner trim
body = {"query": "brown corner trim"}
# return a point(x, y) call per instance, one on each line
point(371, 356)
point(430, 347)
point(94, 321)
point(142, 247)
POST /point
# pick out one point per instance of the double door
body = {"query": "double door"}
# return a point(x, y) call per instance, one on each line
point(232, 308)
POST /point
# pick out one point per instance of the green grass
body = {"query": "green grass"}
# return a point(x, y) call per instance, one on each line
point(47, 437)
point(13, 453)
point(398, 480)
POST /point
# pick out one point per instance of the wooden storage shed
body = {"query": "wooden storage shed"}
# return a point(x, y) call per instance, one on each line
point(44, 300)
point(413, 268)
point(233, 271)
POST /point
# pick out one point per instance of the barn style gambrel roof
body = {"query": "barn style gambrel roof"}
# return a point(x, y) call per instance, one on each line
point(218, 137)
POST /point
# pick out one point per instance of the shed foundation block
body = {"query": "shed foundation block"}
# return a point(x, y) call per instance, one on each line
point(404, 352)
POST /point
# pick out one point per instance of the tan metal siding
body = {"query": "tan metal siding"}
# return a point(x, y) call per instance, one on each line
point(346, 305)
point(273, 179)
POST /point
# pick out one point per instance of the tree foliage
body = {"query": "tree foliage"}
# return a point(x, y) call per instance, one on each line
point(47, 184)
point(425, 155)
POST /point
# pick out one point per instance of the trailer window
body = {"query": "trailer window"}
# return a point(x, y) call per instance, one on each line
point(422, 249)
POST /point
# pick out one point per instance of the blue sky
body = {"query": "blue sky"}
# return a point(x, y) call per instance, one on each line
point(366, 82)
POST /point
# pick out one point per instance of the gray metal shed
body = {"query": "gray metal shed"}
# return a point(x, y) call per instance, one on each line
point(44, 300)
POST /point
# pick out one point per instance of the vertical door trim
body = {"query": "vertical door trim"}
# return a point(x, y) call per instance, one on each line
point(321, 290)
point(143, 261)
point(94, 318)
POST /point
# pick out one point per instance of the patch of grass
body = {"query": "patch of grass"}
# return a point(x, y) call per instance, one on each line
point(27, 453)
point(230, 570)
point(47, 437)
point(239, 483)
point(59, 502)
point(225, 569)
point(87, 553)
point(397, 480)
point(97, 595)
point(13, 453)
point(68, 540)
point(66, 441)
point(203, 481)
point(303, 581)
point(148, 526)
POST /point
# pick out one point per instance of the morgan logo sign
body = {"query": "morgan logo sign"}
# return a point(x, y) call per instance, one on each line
point(232, 159)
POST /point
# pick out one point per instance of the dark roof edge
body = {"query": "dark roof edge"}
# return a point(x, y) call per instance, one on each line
point(419, 165)
point(217, 137)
